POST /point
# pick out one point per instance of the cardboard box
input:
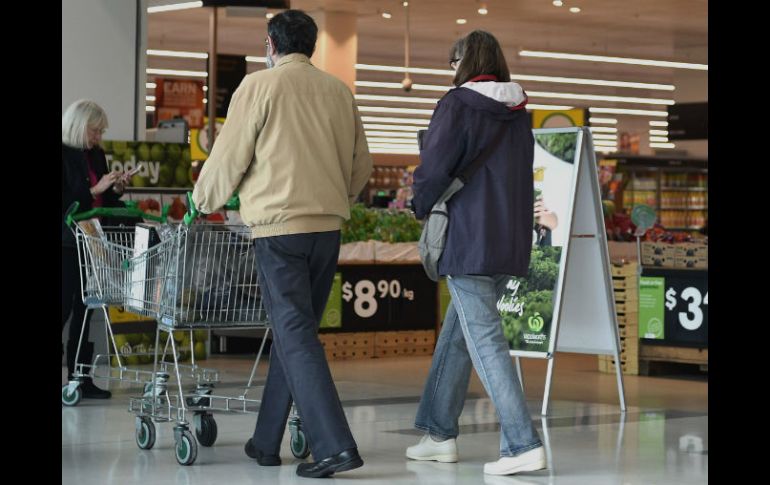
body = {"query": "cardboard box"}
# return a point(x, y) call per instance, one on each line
point(692, 263)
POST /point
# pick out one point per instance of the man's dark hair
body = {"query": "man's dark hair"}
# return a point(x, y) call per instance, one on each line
point(480, 53)
point(293, 31)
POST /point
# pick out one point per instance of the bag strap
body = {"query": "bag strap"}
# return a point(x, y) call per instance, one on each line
point(476, 164)
point(460, 180)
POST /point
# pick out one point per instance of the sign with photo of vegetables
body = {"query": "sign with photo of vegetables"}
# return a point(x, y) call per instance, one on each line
point(527, 306)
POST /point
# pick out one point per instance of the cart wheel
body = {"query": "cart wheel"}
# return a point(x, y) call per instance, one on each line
point(186, 448)
point(71, 398)
point(299, 446)
point(145, 434)
point(207, 434)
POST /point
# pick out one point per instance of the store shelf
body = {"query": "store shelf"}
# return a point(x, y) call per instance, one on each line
point(685, 189)
point(701, 208)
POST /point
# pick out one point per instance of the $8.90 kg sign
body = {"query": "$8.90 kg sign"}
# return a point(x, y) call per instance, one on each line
point(365, 295)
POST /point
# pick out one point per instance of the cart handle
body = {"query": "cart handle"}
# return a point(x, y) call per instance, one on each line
point(192, 213)
point(130, 210)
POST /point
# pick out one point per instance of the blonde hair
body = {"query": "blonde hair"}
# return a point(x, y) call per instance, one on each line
point(76, 120)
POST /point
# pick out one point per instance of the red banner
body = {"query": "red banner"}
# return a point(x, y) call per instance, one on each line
point(179, 97)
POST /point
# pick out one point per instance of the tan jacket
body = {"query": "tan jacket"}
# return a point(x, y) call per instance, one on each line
point(294, 148)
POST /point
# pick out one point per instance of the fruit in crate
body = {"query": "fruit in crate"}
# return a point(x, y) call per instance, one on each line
point(150, 206)
point(178, 209)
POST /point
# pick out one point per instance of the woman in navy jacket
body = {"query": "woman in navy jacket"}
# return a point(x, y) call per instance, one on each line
point(86, 179)
point(489, 239)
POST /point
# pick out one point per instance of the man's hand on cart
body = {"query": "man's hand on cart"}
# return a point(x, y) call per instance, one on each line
point(192, 213)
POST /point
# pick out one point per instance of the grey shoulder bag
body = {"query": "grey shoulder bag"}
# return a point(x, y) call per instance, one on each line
point(433, 237)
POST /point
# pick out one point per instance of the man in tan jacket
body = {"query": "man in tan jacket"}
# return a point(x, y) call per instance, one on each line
point(294, 149)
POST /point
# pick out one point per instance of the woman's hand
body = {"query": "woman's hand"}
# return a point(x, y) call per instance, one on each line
point(543, 216)
point(104, 183)
point(122, 181)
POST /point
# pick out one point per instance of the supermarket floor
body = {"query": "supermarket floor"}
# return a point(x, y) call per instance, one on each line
point(661, 439)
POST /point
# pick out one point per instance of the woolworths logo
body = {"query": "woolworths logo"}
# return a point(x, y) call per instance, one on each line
point(536, 322)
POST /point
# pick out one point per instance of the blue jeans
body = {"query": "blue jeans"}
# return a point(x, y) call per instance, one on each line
point(472, 334)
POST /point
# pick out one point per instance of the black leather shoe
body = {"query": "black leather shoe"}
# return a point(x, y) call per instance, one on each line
point(90, 391)
point(346, 460)
point(264, 460)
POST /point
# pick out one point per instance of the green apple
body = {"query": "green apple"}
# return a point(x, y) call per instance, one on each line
point(173, 153)
point(157, 153)
point(143, 151)
point(182, 176)
point(165, 176)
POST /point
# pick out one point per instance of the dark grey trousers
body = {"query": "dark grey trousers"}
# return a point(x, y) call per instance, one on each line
point(296, 273)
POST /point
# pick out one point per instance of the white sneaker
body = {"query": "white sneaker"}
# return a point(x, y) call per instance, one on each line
point(528, 461)
point(429, 450)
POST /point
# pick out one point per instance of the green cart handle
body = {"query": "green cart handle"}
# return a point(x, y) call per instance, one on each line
point(192, 213)
point(130, 210)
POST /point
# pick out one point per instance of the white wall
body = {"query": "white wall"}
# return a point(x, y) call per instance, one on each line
point(99, 60)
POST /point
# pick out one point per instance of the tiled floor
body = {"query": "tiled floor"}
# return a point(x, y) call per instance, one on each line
point(661, 439)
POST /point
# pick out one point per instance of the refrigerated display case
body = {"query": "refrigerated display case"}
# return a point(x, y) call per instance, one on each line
point(677, 188)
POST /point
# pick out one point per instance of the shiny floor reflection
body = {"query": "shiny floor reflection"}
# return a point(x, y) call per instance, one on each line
point(587, 443)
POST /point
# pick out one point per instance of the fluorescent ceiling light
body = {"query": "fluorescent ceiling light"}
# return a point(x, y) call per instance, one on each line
point(604, 129)
point(394, 151)
point(150, 98)
point(394, 141)
point(415, 87)
point(176, 72)
point(150, 85)
point(396, 99)
point(558, 3)
point(575, 9)
point(592, 82)
point(269, 15)
point(461, 21)
point(659, 132)
point(663, 139)
point(658, 123)
point(406, 121)
point(662, 145)
point(604, 121)
point(386, 15)
point(188, 55)
point(550, 107)
point(393, 134)
point(149, 108)
point(381, 109)
point(519, 77)
point(598, 97)
point(616, 60)
point(411, 129)
point(622, 111)
point(255, 59)
point(604, 136)
point(174, 6)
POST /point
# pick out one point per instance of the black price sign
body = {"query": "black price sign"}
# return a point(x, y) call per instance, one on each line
point(387, 297)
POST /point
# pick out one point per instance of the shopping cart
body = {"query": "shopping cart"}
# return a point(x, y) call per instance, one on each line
point(202, 277)
point(102, 252)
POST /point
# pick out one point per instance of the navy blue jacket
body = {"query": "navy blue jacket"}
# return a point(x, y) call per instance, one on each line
point(491, 218)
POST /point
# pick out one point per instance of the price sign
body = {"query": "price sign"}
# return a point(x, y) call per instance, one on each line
point(387, 297)
point(685, 306)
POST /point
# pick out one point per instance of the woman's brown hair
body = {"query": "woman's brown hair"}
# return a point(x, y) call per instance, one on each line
point(481, 54)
